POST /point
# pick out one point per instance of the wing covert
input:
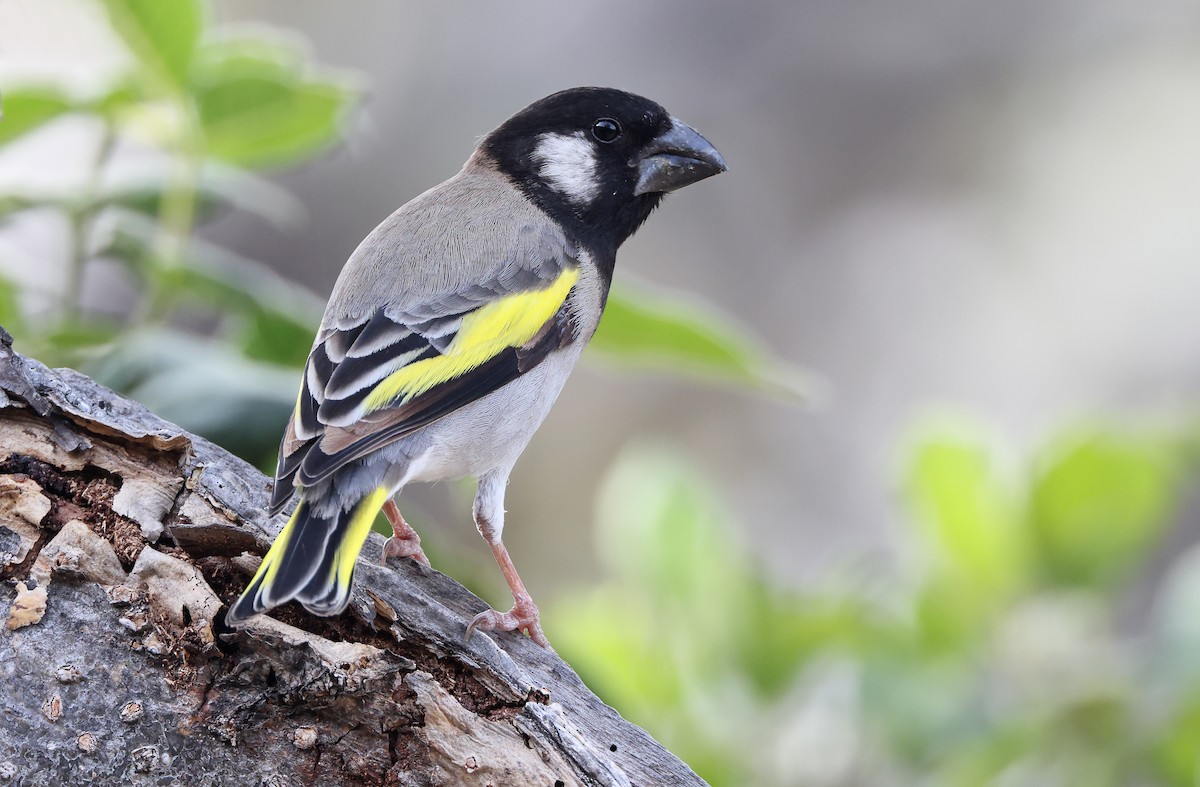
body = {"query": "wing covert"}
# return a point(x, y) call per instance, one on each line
point(371, 382)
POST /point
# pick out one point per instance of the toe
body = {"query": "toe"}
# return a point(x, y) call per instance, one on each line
point(518, 618)
point(401, 548)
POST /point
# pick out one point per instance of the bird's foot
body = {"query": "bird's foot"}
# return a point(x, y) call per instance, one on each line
point(404, 546)
point(522, 617)
point(404, 541)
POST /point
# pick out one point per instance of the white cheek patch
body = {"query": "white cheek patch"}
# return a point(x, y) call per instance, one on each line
point(567, 163)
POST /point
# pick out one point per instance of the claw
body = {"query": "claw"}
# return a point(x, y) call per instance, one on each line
point(522, 617)
point(403, 547)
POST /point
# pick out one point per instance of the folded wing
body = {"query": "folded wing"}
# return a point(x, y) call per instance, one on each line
point(372, 381)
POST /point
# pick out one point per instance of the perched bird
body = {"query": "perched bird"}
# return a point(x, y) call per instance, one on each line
point(451, 331)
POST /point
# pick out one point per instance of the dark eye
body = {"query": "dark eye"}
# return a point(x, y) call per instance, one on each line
point(606, 129)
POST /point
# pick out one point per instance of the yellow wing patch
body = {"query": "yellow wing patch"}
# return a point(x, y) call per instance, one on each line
point(485, 333)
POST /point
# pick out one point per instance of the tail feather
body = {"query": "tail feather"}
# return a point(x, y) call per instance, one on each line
point(327, 591)
point(312, 561)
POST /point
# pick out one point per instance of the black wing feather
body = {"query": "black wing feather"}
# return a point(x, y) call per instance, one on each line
point(304, 462)
point(439, 401)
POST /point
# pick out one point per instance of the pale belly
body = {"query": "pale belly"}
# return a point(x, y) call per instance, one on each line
point(492, 432)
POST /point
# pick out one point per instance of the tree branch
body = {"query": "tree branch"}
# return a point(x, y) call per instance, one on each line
point(125, 538)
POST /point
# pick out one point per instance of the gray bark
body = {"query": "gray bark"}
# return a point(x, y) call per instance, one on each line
point(122, 538)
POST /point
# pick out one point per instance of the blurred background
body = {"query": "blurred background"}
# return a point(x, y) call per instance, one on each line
point(966, 236)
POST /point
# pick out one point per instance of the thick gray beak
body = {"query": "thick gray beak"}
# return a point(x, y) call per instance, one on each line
point(676, 158)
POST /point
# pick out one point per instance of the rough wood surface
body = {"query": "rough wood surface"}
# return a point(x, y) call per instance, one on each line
point(122, 538)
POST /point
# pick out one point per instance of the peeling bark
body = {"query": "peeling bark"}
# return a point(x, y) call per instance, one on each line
point(122, 540)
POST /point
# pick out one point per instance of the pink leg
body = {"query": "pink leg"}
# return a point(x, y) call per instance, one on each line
point(404, 541)
point(524, 614)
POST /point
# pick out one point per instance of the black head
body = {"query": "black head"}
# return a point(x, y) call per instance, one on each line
point(599, 160)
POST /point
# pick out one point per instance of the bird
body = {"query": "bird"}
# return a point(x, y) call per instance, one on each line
point(451, 330)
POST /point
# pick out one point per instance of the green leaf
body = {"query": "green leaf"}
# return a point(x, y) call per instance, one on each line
point(1100, 504)
point(777, 632)
point(281, 336)
point(204, 386)
point(116, 99)
point(266, 316)
point(76, 335)
point(277, 319)
point(950, 617)
point(147, 198)
point(70, 341)
point(161, 33)
point(130, 242)
point(652, 329)
point(217, 187)
point(620, 655)
point(15, 203)
point(660, 527)
point(1176, 754)
point(26, 108)
point(972, 525)
point(259, 106)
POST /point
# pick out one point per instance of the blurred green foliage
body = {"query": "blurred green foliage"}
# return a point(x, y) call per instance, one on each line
point(1037, 632)
point(207, 106)
point(215, 341)
point(1009, 649)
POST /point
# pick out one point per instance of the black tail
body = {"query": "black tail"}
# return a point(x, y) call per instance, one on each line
point(312, 561)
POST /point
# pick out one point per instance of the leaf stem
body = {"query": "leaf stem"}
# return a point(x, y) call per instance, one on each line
point(177, 216)
point(80, 218)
